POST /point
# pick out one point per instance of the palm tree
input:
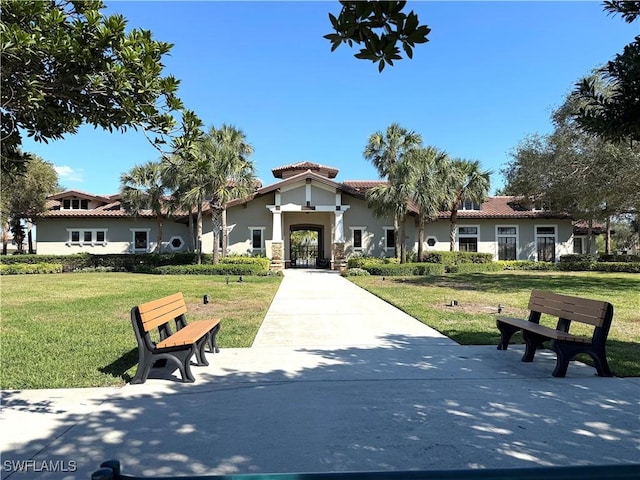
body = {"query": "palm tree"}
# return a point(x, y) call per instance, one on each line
point(244, 176)
point(464, 180)
point(393, 199)
point(219, 172)
point(386, 150)
point(427, 170)
point(144, 188)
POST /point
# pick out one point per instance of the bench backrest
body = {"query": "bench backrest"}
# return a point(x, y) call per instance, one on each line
point(592, 312)
point(158, 312)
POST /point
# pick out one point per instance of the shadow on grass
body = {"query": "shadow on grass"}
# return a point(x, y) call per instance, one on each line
point(119, 367)
point(508, 282)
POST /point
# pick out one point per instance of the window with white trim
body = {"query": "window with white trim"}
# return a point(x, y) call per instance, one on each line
point(580, 244)
point(389, 238)
point(431, 242)
point(357, 237)
point(507, 240)
point(75, 204)
point(256, 238)
point(546, 238)
point(176, 243)
point(468, 238)
point(468, 205)
point(87, 236)
point(140, 239)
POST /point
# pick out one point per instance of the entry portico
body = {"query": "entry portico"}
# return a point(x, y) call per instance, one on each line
point(305, 199)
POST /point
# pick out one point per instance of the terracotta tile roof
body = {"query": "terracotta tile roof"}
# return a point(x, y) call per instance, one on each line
point(364, 185)
point(330, 172)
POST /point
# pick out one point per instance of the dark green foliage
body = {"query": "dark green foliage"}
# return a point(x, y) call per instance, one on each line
point(69, 262)
point(27, 268)
point(404, 269)
point(526, 265)
point(603, 263)
point(363, 262)
point(379, 27)
point(65, 64)
point(615, 115)
point(457, 258)
point(217, 269)
point(475, 268)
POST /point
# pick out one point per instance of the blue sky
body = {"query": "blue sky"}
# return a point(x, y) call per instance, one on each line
point(490, 75)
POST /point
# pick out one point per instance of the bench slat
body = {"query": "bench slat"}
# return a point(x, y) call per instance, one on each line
point(186, 336)
point(158, 312)
point(591, 312)
point(543, 330)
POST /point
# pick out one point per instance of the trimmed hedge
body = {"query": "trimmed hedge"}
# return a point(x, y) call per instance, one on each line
point(363, 262)
point(525, 265)
point(586, 266)
point(69, 262)
point(405, 269)
point(134, 262)
point(219, 269)
point(475, 268)
point(458, 258)
point(29, 268)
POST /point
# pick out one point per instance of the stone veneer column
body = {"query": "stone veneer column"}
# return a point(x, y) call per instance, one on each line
point(277, 256)
point(338, 260)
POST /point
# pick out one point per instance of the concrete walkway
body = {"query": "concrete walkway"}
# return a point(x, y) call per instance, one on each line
point(337, 380)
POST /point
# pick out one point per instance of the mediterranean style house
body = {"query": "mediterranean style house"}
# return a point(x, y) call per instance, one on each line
point(306, 197)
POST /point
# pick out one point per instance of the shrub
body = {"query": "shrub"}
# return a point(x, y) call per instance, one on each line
point(619, 258)
point(584, 266)
point(357, 272)
point(264, 262)
point(29, 268)
point(69, 262)
point(405, 269)
point(204, 269)
point(457, 258)
point(475, 268)
point(525, 265)
point(362, 262)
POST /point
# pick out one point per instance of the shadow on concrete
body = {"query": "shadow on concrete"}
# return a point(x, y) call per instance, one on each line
point(408, 404)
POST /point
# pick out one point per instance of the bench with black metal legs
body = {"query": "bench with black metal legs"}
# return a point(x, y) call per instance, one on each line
point(189, 339)
point(567, 345)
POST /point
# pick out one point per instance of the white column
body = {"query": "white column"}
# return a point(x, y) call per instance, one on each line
point(277, 226)
point(338, 231)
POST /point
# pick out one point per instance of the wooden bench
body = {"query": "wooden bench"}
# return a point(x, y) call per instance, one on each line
point(566, 345)
point(188, 340)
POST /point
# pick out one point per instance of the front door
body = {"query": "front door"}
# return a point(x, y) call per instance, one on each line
point(306, 244)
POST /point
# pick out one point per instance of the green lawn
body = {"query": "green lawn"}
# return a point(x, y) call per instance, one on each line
point(478, 296)
point(74, 330)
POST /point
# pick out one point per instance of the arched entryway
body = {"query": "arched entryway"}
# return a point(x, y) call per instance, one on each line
point(306, 244)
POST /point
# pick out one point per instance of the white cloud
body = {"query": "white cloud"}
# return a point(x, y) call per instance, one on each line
point(69, 174)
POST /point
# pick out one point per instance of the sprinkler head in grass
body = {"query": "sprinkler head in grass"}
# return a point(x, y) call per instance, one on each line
point(240, 280)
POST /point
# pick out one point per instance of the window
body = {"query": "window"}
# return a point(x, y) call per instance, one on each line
point(507, 237)
point(389, 238)
point(468, 205)
point(468, 244)
point(357, 237)
point(140, 239)
point(546, 243)
point(75, 204)
point(579, 245)
point(87, 237)
point(176, 243)
point(431, 241)
point(257, 238)
point(468, 238)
